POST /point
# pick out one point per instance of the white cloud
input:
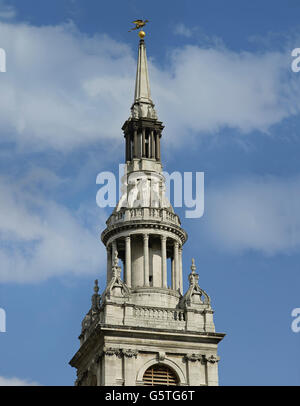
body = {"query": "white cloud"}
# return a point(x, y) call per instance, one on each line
point(7, 12)
point(55, 91)
point(40, 238)
point(208, 89)
point(64, 89)
point(259, 214)
point(181, 29)
point(16, 382)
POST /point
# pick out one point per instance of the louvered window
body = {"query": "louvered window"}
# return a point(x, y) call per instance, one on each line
point(160, 375)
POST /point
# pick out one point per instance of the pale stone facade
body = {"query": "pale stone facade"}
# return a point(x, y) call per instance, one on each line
point(143, 320)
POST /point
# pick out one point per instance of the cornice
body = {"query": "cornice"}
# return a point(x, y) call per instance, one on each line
point(138, 224)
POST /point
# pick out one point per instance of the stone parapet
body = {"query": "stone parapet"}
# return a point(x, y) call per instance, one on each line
point(143, 213)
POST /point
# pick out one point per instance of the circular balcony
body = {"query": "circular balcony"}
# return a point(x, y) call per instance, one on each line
point(143, 217)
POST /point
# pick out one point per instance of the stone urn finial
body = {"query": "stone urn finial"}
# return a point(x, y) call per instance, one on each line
point(96, 287)
point(193, 266)
point(96, 298)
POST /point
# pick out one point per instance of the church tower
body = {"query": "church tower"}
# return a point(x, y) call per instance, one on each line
point(143, 329)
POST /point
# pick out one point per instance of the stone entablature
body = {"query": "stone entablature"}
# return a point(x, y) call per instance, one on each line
point(127, 353)
point(153, 225)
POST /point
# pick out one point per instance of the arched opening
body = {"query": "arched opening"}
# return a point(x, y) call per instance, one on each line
point(158, 374)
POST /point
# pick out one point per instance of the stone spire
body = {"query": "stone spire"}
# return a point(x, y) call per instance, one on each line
point(143, 105)
point(142, 130)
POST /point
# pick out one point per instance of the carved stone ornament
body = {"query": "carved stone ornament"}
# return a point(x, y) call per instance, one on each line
point(86, 322)
point(112, 351)
point(194, 357)
point(161, 356)
point(212, 358)
point(194, 295)
point(129, 353)
point(116, 286)
point(93, 313)
point(96, 297)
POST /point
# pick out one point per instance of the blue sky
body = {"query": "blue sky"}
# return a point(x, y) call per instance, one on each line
point(222, 83)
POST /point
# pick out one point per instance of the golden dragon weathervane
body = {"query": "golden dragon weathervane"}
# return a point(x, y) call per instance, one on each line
point(139, 24)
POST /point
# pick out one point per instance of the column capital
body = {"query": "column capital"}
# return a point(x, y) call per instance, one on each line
point(212, 358)
point(129, 353)
point(146, 236)
point(109, 351)
point(163, 238)
point(194, 357)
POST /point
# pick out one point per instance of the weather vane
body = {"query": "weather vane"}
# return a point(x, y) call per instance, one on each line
point(139, 24)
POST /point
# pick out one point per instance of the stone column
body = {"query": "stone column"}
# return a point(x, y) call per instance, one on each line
point(146, 259)
point(195, 369)
point(127, 261)
point(172, 273)
point(159, 137)
point(109, 264)
point(143, 142)
point(129, 360)
point(192, 373)
point(180, 270)
point(111, 366)
point(176, 266)
point(164, 261)
point(157, 146)
point(212, 370)
point(152, 145)
point(135, 144)
point(139, 145)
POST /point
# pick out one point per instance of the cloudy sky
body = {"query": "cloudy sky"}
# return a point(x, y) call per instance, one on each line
point(222, 83)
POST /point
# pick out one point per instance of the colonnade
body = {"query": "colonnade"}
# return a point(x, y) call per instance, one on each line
point(143, 144)
point(150, 273)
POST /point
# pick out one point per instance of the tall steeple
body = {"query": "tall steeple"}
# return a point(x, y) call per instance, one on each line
point(145, 330)
point(142, 130)
point(143, 105)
